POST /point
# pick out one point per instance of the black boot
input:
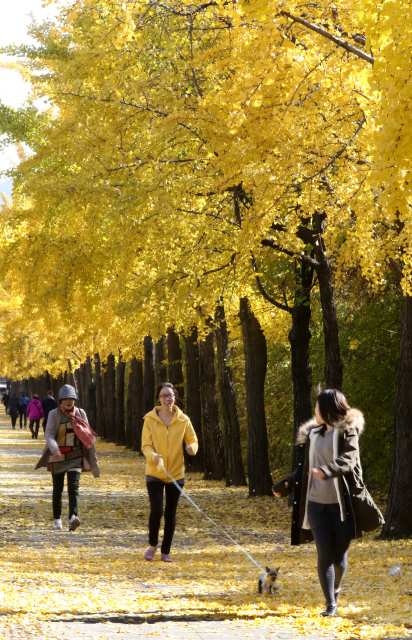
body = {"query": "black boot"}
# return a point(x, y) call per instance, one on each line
point(331, 611)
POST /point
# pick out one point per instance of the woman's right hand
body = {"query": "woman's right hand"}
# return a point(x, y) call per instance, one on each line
point(279, 495)
point(57, 455)
point(157, 460)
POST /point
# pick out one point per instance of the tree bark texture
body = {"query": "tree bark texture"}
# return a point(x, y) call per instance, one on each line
point(48, 380)
point(120, 426)
point(110, 383)
point(91, 388)
point(299, 338)
point(194, 399)
point(254, 341)
point(214, 455)
point(160, 361)
point(78, 388)
point(398, 517)
point(174, 357)
point(149, 375)
point(134, 423)
point(235, 473)
point(333, 363)
point(100, 410)
point(85, 389)
point(72, 380)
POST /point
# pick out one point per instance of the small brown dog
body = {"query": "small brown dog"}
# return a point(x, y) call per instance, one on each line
point(267, 581)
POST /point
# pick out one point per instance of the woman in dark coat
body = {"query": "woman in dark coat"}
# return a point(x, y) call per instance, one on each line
point(328, 490)
point(14, 409)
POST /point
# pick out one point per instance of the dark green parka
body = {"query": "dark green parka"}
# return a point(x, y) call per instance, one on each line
point(356, 505)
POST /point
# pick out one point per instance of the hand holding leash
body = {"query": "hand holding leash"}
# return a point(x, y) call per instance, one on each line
point(158, 460)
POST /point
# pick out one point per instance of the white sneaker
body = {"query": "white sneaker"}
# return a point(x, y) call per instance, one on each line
point(57, 524)
point(74, 522)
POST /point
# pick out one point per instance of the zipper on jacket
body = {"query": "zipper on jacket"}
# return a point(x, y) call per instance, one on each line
point(167, 447)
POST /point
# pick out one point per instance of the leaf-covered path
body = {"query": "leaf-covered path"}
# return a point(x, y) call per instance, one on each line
point(95, 583)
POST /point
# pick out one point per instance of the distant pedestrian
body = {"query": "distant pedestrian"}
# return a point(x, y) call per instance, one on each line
point(23, 404)
point(5, 400)
point(35, 413)
point(14, 409)
point(328, 488)
point(48, 405)
point(69, 450)
point(165, 430)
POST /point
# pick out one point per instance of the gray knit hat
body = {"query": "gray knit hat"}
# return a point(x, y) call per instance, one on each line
point(67, 391)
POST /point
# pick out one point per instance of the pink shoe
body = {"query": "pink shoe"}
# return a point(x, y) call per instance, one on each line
point(165, 558)
point(149, 555)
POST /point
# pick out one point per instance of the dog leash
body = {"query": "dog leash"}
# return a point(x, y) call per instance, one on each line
point(183, 492)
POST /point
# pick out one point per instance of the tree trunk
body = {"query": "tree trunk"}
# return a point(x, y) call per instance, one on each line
point(72, 380)
point(149, 375)
point(110, 383)
point(160, 360)
point(100, 410)
point(48, 380)
point(120, 430)
point(299, 338)
point(212, 433)
point(254, 341)
point(194, 399)
point(138, 413)
point(134, 422)
point(333, 363)
point(91, 388)
point(235, 473)
point(78, 387)
point(398, 517)
point(130, 402)
point(84, 380)
point(174, 357)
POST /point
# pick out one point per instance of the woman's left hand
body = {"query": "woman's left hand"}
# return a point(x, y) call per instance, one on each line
point(190, 450)
point(318, 474)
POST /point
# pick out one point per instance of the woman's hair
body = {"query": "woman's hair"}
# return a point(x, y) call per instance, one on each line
point(170, 386)
point(36, 397)
point(332, 405)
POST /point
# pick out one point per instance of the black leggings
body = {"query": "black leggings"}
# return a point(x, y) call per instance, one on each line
point(332, 541)
point(34, 432)
point(155, 491)
point(13, 421)
point(73, 478)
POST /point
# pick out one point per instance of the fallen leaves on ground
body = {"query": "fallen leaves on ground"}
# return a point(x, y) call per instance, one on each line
point(100, 570)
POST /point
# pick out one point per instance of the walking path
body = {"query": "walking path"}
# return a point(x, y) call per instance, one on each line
point(95, 583)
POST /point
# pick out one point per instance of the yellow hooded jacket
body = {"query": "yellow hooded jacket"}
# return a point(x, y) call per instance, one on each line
point(157, 439)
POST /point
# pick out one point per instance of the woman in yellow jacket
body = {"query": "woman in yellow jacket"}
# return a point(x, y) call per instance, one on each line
point(164, 431)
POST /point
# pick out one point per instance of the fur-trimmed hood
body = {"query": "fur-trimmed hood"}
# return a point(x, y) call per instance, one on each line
point(353, 420)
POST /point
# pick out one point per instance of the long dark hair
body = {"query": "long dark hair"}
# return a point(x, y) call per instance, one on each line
point(170, 386)
point(332, 406)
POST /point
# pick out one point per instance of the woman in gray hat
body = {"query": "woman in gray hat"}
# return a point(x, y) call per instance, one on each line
point(69, 450)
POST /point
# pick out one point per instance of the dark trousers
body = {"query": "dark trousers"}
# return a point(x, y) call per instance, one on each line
point(34, 431)
point(13, 421)
point(23, 416)
point(73, 479)
point(155, 491)
point(332, 539)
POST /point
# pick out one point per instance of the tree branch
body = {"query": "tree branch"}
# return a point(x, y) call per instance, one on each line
point(269, 242)
point(279, 305)
point(325, 34)
point(396, 270)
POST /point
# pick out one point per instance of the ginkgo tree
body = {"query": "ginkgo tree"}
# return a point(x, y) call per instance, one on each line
point(183, 138)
